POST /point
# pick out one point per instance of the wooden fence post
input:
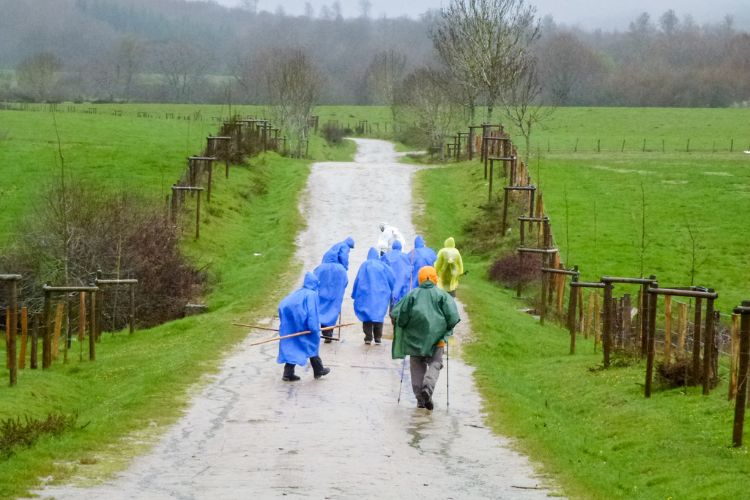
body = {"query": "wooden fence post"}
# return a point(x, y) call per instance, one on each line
point(744, 360)
point(682, 312)
point(597, 322)
point(46, 330)
point(708, 345)
point(651, 321)
point(34, 342)
point(572, 305)
point(667, 329)
point(734, 356)
point(24, 337)
point(697, 340)
point(607, 330)
point(12, 313)
point(93, 328)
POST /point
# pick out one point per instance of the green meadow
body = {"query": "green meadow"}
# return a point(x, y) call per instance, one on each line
point(591, 431)
point(139, 383)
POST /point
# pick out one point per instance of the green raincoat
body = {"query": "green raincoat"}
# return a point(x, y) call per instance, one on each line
point(423, 318)
point(449, 266)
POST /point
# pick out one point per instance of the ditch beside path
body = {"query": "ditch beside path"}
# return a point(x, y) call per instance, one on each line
point(247, 434)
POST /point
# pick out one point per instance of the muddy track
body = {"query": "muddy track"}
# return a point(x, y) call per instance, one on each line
point(247, 434)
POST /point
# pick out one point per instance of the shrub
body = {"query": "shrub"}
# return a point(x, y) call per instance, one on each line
point(66, 242)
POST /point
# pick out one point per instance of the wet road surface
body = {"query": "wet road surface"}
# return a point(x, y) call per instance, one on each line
point(248, 434)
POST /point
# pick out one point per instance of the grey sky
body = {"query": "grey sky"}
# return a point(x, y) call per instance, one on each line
point(585, 13)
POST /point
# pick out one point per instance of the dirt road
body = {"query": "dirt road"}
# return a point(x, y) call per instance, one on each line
point(250, 435)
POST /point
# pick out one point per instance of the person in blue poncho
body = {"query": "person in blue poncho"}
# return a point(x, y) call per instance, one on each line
point(401, 267)
point(298, 312)
point(420, 256)
point(372, 293)
point(342, 249)
point(333, 280)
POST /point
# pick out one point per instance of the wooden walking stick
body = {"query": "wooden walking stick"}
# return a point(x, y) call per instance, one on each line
point(297, 334)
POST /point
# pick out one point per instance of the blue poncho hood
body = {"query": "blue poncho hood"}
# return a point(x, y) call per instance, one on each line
point(298, 312)
point(401, 266)
point(419, 257)
point(341, 250)
point(333, 280)
point(372, 289)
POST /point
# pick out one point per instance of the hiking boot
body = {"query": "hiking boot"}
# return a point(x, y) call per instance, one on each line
point(368, 341)
point(291, 378)
point(318, 369)
point(420, 404)
point(427, 398)
point(378, 342)
point(327, 341)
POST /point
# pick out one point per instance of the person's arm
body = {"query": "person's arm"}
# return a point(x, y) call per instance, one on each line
point(450, 312)
point(313, 320)
point(459, 263)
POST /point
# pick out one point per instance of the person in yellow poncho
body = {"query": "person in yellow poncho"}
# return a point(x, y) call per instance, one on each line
point(449, 267)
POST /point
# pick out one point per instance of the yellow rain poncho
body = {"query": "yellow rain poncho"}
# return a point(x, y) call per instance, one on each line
point(449, 266)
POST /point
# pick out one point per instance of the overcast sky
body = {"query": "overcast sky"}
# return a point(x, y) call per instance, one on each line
point(585, 13)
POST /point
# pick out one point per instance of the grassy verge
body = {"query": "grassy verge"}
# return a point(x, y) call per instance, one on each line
point(139, 383)
point(592, 430)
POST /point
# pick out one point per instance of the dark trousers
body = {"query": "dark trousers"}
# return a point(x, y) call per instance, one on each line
point(326, 333)
point(425, 371)
point(315, 361)
point(372, 329)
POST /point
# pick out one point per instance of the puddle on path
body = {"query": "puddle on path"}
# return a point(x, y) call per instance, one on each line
point(250, 435)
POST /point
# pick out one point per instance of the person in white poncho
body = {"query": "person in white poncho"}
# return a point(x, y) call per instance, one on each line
point(388, 234)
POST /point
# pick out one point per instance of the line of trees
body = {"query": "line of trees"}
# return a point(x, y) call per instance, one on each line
point(172, 50)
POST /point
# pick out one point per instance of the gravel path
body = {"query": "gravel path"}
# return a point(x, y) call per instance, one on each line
point(247, 434)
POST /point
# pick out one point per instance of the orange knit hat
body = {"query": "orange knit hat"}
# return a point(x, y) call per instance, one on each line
point(427, 273)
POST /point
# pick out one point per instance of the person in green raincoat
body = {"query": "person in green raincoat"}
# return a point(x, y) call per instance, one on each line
point(423, 320)
point(449, 267)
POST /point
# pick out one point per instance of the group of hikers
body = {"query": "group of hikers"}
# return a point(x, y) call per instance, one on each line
point(416, 289)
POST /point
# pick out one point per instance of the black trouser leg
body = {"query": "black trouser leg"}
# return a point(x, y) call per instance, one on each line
point(367, 328)
point(326, 333)
point(377, 331)
point(288, 370)
point(317, 365)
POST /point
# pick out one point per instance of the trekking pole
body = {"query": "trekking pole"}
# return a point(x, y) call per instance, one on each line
point(447, 374)
point(403, 366)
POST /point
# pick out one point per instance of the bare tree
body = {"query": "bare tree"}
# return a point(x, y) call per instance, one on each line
point(484, 43)
point(427, 105)
point(183, 65)
point(293, 85)
point(567, 66)
point(385, 72)
point(522, 105)
point(37, 74)
point(129, 57)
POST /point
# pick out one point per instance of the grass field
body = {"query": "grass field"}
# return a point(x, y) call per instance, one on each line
point(592, 430)
point(138, 385)
point(116, 152)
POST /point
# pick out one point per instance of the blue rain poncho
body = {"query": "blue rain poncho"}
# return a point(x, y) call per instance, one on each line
point(401, 267)
point(333, 281)
point(298, 312)
point(341, 249)
point(421, 256)
point(372, 289)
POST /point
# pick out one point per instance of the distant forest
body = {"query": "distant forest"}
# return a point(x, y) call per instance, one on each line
point(176, 51)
